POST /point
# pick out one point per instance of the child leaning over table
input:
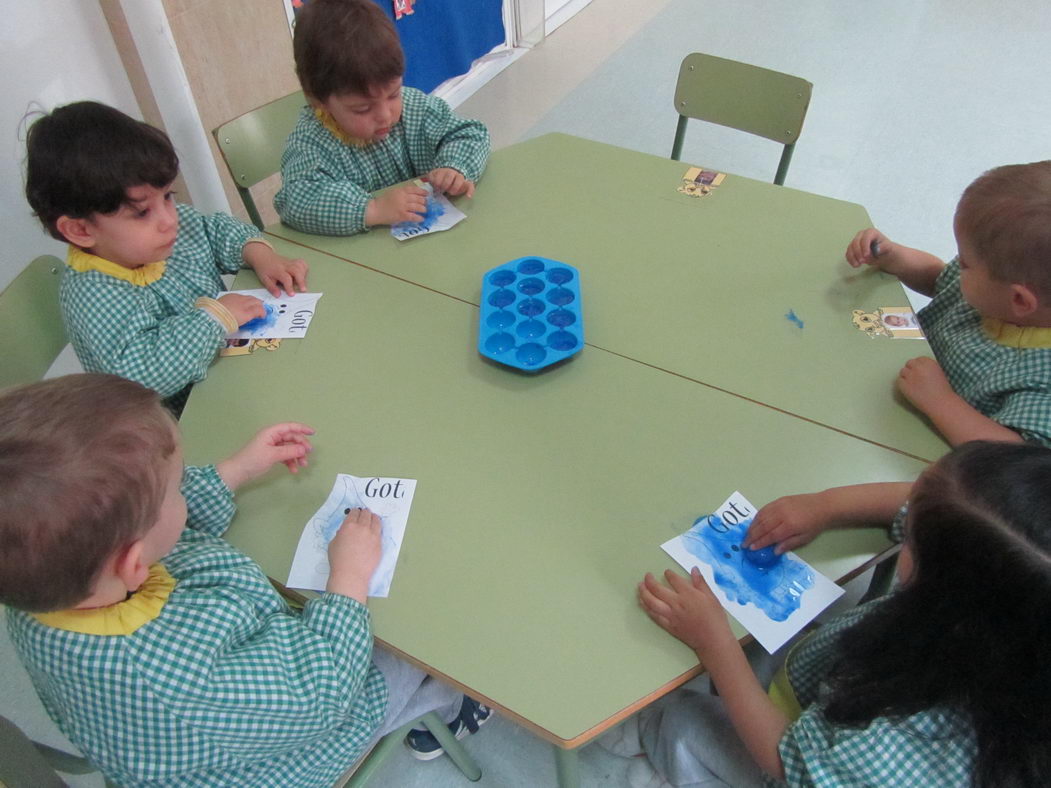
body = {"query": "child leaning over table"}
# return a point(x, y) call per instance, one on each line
point(160, 650)
point(989, 323)
point(943, 682)
point(363, 131)
point(141, 294)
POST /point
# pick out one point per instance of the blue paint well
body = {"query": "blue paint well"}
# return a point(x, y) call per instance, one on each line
point(792, 317)
point(774, 584)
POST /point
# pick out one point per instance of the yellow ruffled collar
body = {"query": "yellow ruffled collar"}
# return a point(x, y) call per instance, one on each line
point(79, 260)
point(122, 618)
point(1011, 335)
point(326, 120)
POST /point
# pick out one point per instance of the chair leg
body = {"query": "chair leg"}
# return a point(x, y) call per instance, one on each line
point(464, 762)
point(782, 166)
point(680, 135)
point(253, 212)
point(882, 579)
point(383, 749)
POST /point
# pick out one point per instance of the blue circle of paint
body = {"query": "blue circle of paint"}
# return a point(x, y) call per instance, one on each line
point(764, 558)
point(500, 343)
point(560, 296)
point(530, 329)
point(531, 307)
point(562, 341)
point(502, 278)
point(561, 318)
point(530, 286)
point(559, 276)
point(501, 298)
point(530, 354)
point(501, 319)
point(530, 267)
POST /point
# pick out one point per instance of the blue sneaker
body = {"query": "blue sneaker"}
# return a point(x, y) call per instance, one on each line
point(472, 716)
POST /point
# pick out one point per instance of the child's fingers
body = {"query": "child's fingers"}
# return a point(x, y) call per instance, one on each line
point(299, 270)
point(470, 189)
point(651, 603)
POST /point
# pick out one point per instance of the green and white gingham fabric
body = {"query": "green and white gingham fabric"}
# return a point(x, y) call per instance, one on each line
point(1012, 386)
point(153, 334)
point(926, 750)
point(227, 686)
point(326, 184)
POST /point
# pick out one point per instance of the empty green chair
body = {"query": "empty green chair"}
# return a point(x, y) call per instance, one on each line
point(31, 322)
point(28, 764)
point(252, 145)
point(744, 97)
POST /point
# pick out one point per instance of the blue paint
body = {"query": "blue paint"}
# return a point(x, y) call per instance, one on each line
point(792, 317)
point(433, 212)
point(266, 321)
point(774, 586)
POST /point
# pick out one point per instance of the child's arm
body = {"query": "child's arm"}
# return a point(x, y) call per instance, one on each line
point(916, 269)
point(275, 272)
point(795, 520)
point(459, 147)
point(285, 443)
point(689, 611)
point(924, 384)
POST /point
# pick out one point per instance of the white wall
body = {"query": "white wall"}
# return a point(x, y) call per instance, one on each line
point(52, 52)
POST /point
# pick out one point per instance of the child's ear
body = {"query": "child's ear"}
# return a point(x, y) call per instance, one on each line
point(1023, 301)
point(78, 232)
point(130, 567)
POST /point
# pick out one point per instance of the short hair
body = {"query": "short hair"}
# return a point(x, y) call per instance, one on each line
point(345, 46)
point(1006, 215)
point(83, 472)
point(82, 158)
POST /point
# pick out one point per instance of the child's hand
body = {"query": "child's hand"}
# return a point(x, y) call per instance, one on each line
point(859, 252)
point(448, 181)
point(276, 272)
point(403, 204)
point(353, 554)
point(244, 308)
point(923, 383)
point(788, 522)
point(285, 443)
point(688, 610)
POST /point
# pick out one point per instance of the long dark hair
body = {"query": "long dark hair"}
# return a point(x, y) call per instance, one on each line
point(970, 629)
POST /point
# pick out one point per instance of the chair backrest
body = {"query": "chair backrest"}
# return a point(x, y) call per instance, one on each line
point(31, 322)
point(252, 144)
point(26, 764)
point(744, 97)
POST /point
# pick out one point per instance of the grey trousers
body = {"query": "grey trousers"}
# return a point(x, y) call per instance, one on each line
point(411, 693)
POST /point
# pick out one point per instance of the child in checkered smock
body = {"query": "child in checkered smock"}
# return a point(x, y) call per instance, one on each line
point(943, 682)
point(141, 294)
point(160, 650)
point(989, 323)
point(363, 131)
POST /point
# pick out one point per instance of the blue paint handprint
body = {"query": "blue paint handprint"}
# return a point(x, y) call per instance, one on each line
point(774, 584)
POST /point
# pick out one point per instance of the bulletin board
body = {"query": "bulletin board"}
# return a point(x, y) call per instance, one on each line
point(441, 38)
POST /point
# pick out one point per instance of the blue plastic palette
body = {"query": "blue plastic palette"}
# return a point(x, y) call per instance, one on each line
point(531, 313)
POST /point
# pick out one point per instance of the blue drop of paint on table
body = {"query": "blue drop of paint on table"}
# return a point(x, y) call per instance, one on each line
point(763, 558)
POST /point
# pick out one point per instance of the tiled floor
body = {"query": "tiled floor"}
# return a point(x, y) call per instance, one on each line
point(911, 101)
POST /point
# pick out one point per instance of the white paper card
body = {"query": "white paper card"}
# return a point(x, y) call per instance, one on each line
point(441, 215)
point(287, 316)
point(390, 499)
point(773, 597)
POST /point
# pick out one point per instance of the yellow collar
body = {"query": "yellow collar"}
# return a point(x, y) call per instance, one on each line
point(122, 618)
point(1010, 335)
point(333, 128)
point(79, 260)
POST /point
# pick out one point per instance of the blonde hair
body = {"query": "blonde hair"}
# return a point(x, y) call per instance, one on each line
point(1006, 215)
point(82, 475)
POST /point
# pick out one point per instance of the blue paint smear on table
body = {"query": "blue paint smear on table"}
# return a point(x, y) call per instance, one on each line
point(266, 321)
point(776, 589)
point(792, 317)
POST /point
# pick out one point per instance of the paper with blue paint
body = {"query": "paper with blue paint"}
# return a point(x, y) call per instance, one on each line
point(441, 215)
point(287, 316)
point(388, 498)
point(773, 597)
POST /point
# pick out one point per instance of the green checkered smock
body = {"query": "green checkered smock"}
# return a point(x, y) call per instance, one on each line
point(227, 686)
point(932, 748)
point(1010, 385)
point(327, 184)
point(152, 333)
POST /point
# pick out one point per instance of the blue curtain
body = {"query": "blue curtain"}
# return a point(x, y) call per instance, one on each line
point(442, 37)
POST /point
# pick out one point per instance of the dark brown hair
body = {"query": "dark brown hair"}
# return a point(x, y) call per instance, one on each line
point(345, 46)
point(82, 158)
point(1006, 215)
point(83, 462)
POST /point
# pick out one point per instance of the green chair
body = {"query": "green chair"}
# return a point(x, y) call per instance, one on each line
point(744, 97)
point(252, 145)
point(31, 322)
point(25, 763)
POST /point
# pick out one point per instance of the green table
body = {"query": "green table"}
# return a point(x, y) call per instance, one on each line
point(696, 286)
point(542, 499)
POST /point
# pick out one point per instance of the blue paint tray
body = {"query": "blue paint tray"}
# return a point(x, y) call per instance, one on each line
point(531, 313)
